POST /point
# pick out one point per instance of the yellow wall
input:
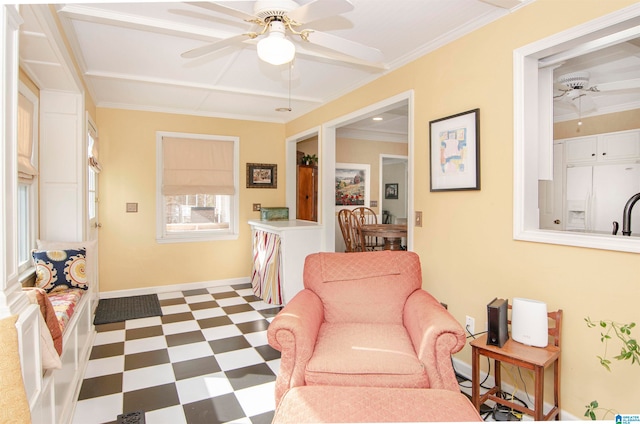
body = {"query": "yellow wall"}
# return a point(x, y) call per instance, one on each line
point(129, 254)
point(309, 147)
point(368, 152)
point(466, 246)
point(611, 122)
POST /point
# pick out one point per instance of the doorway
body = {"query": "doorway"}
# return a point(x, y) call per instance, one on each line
point(338, 146)
point(394, 179)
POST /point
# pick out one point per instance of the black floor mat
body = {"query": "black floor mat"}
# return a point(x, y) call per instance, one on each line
point(123, 308)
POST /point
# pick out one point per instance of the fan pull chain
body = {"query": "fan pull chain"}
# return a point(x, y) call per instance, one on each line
point(287, 109)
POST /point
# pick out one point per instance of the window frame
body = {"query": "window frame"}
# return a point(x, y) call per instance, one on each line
point(26, 265)
point(531, 111)
point(231, 233)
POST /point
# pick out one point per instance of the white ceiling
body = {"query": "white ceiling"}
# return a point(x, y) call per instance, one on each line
point(618, 63)
point(129, 53)
point(129, 56)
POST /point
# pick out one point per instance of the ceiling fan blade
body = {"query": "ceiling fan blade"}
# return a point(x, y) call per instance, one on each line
point(617, 85)
point(561, 95)
point(344, 46)
point(319, 9)
point(217, 7)
point(212, 47)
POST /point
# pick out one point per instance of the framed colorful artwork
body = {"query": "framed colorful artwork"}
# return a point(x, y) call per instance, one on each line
point(352, 184)
point(454, 148)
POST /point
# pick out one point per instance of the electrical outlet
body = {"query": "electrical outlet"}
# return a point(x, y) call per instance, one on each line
point(257, 207)
point(470, 324)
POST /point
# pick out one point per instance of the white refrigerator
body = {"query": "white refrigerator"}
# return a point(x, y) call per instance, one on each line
point(596, 196)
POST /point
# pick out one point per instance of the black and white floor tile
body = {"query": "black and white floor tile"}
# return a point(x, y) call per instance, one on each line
point(206, 360)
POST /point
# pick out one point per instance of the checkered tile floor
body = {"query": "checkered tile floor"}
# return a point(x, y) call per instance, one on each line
point(206, 360)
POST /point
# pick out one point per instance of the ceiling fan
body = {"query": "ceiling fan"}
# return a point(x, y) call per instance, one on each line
point(277, 21)
point(575, 86)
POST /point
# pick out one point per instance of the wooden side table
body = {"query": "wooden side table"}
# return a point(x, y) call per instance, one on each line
point(535, 359)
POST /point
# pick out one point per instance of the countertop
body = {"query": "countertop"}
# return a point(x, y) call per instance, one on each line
point(280, 225)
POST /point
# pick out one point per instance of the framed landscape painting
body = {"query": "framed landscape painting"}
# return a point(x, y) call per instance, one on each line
point(262, 175)
point(352, 184)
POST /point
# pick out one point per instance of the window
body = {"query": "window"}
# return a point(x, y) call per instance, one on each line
point(197, 187)
point(27, 176)
point(533, 137)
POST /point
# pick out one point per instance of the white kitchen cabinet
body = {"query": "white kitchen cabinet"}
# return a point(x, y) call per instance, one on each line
point(581, 149)
point(618, 146)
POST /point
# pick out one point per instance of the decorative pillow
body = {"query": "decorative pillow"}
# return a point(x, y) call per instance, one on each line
point(58, 270)
point(91, 256)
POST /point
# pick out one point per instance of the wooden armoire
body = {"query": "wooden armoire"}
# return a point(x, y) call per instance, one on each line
point(307, 193)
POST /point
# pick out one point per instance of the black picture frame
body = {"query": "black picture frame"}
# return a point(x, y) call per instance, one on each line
point(391, 191)
point(262, 175)
point(454, 152)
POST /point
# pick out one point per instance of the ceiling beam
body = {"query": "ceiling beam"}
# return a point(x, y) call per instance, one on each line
point(217, 88)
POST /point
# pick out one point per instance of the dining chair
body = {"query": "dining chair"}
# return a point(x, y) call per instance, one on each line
point(344, 217)
point(366, 216)
point(356, 238)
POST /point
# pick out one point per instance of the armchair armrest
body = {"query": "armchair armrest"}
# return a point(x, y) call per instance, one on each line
point(436, 335)
point(294, 332)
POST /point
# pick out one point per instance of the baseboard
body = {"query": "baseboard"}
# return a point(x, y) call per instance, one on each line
point(173, 287)
point(464, 370)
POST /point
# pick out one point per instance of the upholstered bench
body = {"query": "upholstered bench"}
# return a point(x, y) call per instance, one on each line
point(323, 404)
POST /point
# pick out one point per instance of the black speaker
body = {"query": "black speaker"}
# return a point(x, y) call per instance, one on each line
point(498, 333)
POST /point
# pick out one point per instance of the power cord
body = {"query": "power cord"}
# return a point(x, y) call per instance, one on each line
point(498, 412)
point(463, 378)
point(473, 335)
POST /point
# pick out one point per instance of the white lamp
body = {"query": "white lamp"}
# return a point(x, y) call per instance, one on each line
point(275, 48)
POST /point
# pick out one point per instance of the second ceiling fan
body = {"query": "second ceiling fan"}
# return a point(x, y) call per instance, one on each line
point(277, 21)
point(575, 86)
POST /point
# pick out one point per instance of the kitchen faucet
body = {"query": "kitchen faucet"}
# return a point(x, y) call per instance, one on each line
point(626, 215)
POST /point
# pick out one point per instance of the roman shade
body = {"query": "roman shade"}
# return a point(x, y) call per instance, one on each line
point(197, 166)
point(26, 169)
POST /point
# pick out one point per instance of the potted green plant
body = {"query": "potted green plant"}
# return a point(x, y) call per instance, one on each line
point(629, 351)
point(309, 159)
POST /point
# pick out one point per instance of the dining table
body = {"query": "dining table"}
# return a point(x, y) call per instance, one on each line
point(391, 233)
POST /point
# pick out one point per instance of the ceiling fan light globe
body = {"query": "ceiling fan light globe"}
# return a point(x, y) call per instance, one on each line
point(276, 49)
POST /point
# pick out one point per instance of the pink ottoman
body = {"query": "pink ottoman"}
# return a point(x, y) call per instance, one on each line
point(323, 404)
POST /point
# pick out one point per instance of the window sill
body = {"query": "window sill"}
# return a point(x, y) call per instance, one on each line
point(589, 240)
point(27, 277)
point(188, 238)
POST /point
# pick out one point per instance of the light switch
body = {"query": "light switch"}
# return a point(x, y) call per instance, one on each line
point(418, 218)
point(132, 207)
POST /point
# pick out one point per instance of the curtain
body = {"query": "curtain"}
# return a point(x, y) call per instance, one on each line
point(26, 169)
point(266, 276)
point(197, 166)
point(93, 155)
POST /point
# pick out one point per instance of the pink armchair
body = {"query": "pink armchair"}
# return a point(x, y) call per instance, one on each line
point(364, 320)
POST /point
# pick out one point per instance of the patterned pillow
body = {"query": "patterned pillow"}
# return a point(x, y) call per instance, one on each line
point(58, 270)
